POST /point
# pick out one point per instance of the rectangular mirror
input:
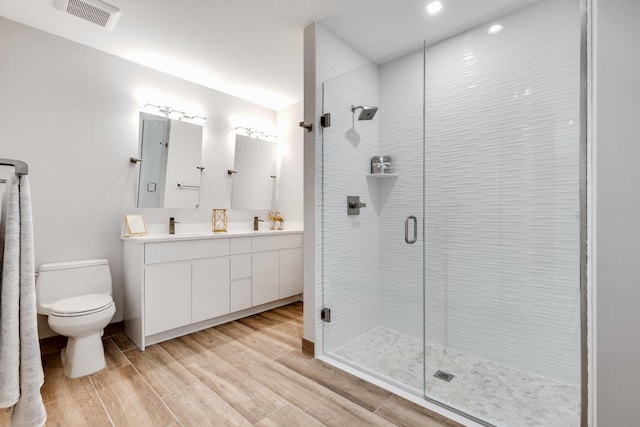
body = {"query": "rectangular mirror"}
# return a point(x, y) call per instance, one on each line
point(171, 153)
point(255, 169)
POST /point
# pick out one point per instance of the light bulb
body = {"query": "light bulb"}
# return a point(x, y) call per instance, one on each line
point(434, 7)
point(495, 29)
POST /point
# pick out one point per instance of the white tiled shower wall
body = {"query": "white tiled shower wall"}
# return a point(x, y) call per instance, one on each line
point(335, 58)
point(401, 264)
point(501, 195)
point(350, 242)
point(502, 191)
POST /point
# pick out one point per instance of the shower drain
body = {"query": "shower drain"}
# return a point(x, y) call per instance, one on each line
point(441, 375)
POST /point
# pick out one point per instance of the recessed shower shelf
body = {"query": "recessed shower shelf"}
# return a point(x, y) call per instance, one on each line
point(382, 175)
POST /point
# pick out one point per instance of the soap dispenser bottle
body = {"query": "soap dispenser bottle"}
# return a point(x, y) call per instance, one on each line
point(172, 225)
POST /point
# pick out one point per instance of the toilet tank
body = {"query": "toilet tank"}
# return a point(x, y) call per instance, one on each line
point(61, 280)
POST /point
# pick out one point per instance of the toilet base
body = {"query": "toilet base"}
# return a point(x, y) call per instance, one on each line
point(83, 356)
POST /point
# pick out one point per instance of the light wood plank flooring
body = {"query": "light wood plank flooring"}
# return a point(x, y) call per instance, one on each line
point(243, 373)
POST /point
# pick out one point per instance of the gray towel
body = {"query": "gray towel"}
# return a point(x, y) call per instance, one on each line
point(21, 373)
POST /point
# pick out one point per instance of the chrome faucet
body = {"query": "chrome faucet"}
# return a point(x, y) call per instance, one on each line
point(256, 220)
point(172, 225)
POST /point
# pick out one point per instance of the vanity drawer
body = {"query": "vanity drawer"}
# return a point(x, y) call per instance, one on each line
point(241, 245)
point(270, 243)
point(185, 250)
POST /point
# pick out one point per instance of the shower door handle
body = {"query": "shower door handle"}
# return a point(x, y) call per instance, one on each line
point(415, 229)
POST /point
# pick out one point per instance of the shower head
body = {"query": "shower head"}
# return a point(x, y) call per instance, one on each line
point(367, 113)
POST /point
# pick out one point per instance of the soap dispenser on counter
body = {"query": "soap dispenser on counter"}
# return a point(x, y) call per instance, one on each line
point(172, 225)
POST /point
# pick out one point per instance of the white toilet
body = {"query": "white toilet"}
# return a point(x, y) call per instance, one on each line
point(77, 298)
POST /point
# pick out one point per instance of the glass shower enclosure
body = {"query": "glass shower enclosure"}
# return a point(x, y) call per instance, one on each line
point(451, 218)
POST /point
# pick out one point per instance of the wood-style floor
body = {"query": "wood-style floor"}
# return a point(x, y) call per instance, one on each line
point(243, 373)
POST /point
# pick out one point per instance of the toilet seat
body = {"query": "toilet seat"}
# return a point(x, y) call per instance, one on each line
point(81, 305)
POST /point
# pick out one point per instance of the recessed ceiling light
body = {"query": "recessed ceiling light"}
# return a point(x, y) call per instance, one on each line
point(495, 29)
point(434, 7)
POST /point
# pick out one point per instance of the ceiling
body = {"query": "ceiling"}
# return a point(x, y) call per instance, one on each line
point(252, 49)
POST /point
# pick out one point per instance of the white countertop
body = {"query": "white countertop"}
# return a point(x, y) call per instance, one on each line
point(192, 233)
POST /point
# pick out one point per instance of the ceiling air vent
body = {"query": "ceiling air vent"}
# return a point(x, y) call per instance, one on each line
point(96, 11)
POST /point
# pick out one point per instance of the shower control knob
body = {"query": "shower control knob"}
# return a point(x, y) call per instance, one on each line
point(354, 205)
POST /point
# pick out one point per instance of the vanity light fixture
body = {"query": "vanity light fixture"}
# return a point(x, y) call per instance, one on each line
point(174, 113)
point(252, 133)
point(434, 7)
point(200, 119)
point(159, 108)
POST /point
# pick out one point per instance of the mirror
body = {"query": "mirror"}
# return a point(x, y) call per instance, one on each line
point(171, 152)
point(255, 169)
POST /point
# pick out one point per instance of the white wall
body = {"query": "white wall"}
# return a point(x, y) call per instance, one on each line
point(617, 210)
point(350, 256)
point(290, 163)
point(401, 136)
point(333, 56)
point(326, 57)
point(311, 268)
point(502, 193)
point(71, 112)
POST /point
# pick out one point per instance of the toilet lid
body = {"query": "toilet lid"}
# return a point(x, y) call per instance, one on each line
point(81, 305)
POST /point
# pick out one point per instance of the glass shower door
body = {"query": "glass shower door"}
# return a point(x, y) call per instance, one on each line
point(502, 282)
point(373, 256)
point(479, 310)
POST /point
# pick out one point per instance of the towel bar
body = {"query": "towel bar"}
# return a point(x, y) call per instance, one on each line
point(20, 166)
point(188, 187)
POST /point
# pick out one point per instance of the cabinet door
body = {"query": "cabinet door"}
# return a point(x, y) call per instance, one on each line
point(167, 296)
point(240, 266)
point(290, 272)
point(240, 294)
point(265, 279)
point(210, 288)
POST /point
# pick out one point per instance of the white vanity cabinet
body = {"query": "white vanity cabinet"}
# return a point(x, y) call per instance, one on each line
point(290, 272)
point(277, 267)
point(240, 298)
point(175, 286)
point(265, 285)
point(167, 290)
point(209, 288)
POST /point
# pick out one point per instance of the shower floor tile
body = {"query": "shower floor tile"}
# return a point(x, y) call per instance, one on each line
point(486, 390)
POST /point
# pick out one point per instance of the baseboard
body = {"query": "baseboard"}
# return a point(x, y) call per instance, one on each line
point(113, 328)
point(308, 347)
point(57, 342)
point(52, 344)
